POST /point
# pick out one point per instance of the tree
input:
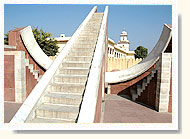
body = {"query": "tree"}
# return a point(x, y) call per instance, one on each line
point(141, 52)
point(6, 39)
point(49, 46)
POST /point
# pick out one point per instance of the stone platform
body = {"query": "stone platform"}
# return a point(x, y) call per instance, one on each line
point(10, 109)
point(122, 110)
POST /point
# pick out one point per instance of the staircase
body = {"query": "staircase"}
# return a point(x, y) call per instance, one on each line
point(61, 103)
point(141, 87)
point(34, 72)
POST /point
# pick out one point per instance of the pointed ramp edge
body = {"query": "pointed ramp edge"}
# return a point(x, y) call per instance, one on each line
point(145, 64)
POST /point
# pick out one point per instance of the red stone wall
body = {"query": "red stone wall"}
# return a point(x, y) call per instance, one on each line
point(16, 40)
point(148, 96)
point(122, 87)
point(30, 82)
point(9, 78)
point(99, 101)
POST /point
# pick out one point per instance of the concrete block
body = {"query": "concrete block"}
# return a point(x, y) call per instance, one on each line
point(165, 74)
point(164, 97)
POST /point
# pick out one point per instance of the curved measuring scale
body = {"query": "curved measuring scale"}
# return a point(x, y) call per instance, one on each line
point(34, 49)
point(145, 64)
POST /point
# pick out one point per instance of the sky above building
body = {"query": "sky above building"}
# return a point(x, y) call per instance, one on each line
point(143, 23)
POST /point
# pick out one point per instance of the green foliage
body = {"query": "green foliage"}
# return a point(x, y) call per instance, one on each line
point(141, 52)
point(6, 39)
point(49, 46)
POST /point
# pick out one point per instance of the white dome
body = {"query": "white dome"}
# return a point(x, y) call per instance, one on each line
point(123, 32)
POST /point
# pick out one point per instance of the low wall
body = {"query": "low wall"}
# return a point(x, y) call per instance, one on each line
point(14, 76)
point(9, 83)
point(121, 63)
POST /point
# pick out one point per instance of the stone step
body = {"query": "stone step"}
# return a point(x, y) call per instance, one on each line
point(57, 111)
point(63, 98)
point(80, 53)
point(87, 42)
point(84, 45)
point(27, 62)
point(64, 78)
point(134, 94)
point(75, 49)
point(93, 25)
point(139, 89)
point(95, 19)
point(36, 73)
point(48, 120)
point(67, 87)
point(90, 30)
point(89, 35)
point(90, 27)
point(149, 78)
point(81, 58)
point(81, 48)
point(31, 67)
point(144, 84)
point(39, 77)
point(86, 38)
point(95, 15)
point(78, 64)
point(74, 70)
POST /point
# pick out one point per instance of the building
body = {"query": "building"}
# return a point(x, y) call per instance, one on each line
point(61, 41)
point(120, 50)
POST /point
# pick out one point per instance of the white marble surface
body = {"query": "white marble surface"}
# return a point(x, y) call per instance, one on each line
point(34, 49)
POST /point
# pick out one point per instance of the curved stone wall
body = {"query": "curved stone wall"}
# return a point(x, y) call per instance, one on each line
point(34, 49)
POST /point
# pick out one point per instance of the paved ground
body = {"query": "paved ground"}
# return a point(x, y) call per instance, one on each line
point(121, 110)
point(10, 108)
point(116, 110)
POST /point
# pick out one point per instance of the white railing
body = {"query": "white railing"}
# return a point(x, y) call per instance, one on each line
point(88, 107)
point(30, 103)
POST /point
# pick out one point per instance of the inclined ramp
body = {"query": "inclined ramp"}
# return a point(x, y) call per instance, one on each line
point(58, 96)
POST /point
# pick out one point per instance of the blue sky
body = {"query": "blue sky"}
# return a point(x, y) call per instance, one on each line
point(143, 23)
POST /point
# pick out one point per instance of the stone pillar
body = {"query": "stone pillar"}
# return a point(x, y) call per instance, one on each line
point(163, 83)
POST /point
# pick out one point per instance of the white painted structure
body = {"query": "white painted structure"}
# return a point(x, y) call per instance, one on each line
point(61, 41)
point(124, 42)
point(120, 50)
point(34, 49)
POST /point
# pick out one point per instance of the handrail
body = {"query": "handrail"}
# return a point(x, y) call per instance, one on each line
point(88, 107)
point(28, 106)
point(145, 64)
